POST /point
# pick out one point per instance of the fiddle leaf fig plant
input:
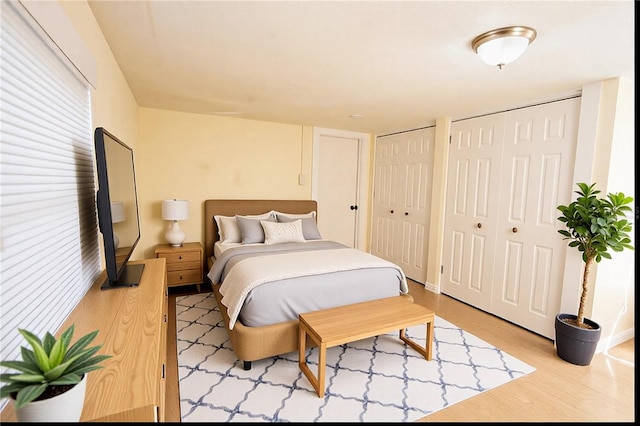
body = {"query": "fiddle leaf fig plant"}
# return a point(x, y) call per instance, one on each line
point(594, 226)
point(50, 367)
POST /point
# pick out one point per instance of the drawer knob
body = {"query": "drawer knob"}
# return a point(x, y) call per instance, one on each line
point(180, 257)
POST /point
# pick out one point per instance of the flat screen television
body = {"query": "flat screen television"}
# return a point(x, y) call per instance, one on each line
point(117, 206)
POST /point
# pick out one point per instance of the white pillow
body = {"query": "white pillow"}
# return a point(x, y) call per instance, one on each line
point(276, 233)
point(295, 215)
point(229, 229)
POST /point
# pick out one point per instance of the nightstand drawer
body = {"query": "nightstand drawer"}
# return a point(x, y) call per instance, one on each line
point(181, 258)
point(182, 265)
point(192, 276)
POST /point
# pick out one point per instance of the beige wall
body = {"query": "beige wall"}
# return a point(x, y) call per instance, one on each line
point(604, 155)
point(190, 156)
point(112, 103)
point(614, 292)
point(196, 157)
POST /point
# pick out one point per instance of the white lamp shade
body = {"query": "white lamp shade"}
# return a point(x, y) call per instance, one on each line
point(117, 212)
point(175, 209)
point(502, 50)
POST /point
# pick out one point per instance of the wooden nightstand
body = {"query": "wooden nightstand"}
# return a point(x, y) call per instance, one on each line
point(184, 263)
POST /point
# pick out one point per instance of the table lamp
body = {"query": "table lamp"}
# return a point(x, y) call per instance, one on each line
point(175, 210)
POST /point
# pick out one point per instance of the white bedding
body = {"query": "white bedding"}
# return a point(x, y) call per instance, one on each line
point(252, 272)
point(219, 247)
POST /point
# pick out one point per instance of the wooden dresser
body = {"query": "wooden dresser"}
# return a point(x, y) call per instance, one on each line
point(132, 324)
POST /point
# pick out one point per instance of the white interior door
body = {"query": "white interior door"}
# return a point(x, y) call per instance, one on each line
point(471, 211)
point(338, 185)
point(537, 169)
point(402, 197)
point(507, 173)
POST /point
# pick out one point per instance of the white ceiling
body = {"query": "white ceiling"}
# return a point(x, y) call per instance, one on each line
point(398, 64)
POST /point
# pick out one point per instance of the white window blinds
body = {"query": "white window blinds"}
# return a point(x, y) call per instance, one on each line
point(49, 250)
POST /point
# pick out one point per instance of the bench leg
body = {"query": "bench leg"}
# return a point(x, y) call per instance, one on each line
point(427, 351)
point(317, 383)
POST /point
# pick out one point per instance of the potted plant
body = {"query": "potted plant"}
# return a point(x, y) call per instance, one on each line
point(593, 226)
point(51, 379)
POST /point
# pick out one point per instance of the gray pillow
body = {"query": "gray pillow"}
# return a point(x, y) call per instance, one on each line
point(251, 230)
point(309, 226)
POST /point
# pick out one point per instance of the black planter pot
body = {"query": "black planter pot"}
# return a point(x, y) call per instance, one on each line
point(574, 344)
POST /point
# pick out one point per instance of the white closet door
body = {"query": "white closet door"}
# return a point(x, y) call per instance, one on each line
point(507, 173)
point(538, 161)
point(471, 211)
point(385, 197)
point(402, 199)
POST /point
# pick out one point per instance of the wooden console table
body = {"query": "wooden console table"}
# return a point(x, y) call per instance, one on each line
point(132, 324)
point(344, 324)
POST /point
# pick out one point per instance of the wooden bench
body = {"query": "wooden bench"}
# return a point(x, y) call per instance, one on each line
point(345, 324)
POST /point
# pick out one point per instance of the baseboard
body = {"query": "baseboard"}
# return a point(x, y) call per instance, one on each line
point(432, 287)
point(615, 340)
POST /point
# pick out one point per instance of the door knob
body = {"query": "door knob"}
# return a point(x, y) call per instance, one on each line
point(391, 211)
point(514, 229)
point(354, 207)
point(479, 225)
point(406, 213)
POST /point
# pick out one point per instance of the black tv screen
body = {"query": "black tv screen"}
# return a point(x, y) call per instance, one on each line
point(117, 206)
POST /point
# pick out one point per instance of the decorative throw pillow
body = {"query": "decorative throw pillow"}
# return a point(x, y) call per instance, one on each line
point(276, 233)
point(309, 226)
point(295, 215)
point(251, 230)
point(229, 230)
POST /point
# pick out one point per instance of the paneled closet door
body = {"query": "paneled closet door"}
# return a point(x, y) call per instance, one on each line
point(402, 198)
point(537, 169)
point(520, 171)
point(471, 211)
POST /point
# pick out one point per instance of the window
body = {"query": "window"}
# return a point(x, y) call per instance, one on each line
point(49, 250)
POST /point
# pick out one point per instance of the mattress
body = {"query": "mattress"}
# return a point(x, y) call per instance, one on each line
point(303, 289)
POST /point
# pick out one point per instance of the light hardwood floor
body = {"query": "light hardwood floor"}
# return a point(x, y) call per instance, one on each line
point(557, 391)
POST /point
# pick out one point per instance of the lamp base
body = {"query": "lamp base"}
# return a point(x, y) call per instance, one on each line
point(175, 236)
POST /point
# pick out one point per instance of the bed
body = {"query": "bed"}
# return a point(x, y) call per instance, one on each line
point(262, 285)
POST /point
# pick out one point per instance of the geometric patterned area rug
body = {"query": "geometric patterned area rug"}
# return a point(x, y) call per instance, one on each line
point(379, 379)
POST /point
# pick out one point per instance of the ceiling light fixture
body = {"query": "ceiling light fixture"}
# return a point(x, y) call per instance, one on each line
point(504, 45)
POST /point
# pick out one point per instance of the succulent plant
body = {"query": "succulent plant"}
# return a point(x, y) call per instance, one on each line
point(51, 364)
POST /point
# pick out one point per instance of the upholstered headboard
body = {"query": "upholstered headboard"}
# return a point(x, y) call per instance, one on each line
point(244, 207)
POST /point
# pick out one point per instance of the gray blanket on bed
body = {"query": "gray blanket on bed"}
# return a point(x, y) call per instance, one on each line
point(324, 274)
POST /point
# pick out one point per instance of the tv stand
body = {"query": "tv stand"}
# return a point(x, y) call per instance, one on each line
point(130, 277)
point(132, 325)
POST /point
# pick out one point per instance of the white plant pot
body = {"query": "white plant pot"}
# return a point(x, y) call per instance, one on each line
point(66, 407)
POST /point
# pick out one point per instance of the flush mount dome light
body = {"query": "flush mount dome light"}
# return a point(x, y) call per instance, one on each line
point(504, 45)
